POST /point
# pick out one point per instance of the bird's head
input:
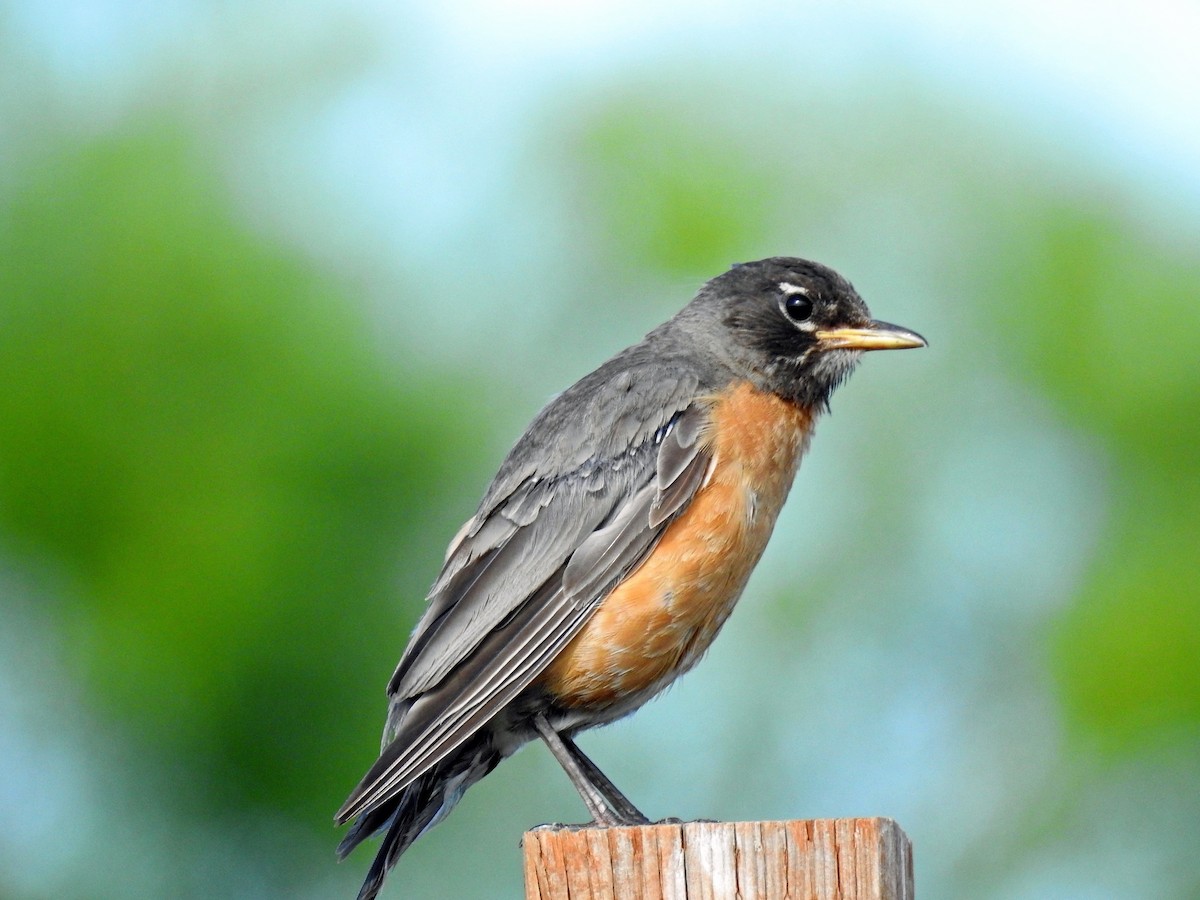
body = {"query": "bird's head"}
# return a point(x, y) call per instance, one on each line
point(793, 327)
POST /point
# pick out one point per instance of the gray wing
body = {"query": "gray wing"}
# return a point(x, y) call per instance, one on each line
point(529, 569)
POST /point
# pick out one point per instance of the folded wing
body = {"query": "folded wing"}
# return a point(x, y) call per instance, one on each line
point(522, 579)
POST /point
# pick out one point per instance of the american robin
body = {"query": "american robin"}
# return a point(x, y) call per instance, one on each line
point(612, 544)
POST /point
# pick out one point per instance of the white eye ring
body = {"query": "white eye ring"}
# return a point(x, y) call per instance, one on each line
point(796, 305)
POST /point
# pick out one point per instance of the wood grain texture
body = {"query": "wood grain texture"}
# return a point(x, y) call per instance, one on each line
point(819, 859)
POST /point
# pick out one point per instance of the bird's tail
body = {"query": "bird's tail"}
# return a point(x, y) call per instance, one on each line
point(416, 809)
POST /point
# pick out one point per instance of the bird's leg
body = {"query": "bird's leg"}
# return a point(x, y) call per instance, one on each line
point(608, 806)
point(593, 797)
point(618, 802)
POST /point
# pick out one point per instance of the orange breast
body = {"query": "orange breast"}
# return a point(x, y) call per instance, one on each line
point(657, 623)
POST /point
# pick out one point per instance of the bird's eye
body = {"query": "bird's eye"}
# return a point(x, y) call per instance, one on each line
point(797, 307)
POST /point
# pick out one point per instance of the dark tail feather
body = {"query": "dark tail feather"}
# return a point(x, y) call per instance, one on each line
point(415, 810)
point(398, 839)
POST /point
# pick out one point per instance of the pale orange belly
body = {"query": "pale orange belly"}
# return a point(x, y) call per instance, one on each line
point(657, 623)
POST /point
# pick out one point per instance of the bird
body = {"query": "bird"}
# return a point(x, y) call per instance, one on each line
point(612, 545)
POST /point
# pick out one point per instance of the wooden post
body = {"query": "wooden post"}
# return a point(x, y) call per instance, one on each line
point(821, 859)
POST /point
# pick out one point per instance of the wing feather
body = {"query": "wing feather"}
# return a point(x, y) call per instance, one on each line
point(521, 581)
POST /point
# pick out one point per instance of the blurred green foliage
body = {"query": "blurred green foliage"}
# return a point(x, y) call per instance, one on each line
point(1103, 318)
point(674, 193)
point(194, 428)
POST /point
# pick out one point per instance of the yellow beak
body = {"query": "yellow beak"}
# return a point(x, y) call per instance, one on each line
point(876, 336)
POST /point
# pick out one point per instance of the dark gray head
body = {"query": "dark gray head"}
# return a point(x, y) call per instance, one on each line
point(793, 327)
